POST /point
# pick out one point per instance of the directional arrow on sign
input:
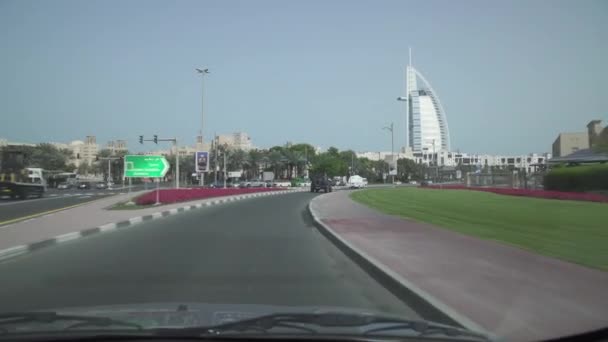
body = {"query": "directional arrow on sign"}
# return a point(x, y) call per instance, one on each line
point(145, 166)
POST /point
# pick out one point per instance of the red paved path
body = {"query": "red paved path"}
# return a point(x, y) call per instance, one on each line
point(508, 291)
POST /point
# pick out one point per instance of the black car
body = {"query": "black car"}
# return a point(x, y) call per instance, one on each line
point(321, 183)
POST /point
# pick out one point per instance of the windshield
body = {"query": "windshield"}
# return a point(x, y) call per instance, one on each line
point(364, 169)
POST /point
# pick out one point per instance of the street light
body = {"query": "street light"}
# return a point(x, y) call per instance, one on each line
point(391, 129)
point(407, 114)
point(202, 72)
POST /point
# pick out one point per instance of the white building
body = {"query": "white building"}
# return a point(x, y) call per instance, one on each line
point(236, 140)
point(453, 159)
point(427, 125)
point(117, 146)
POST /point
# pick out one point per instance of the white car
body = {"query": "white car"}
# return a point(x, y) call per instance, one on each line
point(357, 182)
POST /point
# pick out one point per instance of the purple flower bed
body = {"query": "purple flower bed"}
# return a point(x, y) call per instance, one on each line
point(561, 195)
point(182, 195)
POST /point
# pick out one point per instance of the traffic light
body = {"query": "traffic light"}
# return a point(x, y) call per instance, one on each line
point(141, 139)
point(155, 139)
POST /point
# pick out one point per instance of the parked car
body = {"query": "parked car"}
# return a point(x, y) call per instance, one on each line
point(84, 186)
point(321, 183)
point(63, 186)
point(257, 183)
point(101, 185)
point(281, 183)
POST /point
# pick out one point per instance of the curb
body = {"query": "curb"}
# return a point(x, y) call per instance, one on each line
point(429, 307)
point(16, 251)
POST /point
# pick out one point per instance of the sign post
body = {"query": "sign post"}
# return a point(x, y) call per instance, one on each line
point(137, 166)
point(157, 191)
point(201, 163)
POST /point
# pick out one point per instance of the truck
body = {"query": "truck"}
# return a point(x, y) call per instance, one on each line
point(18, 181)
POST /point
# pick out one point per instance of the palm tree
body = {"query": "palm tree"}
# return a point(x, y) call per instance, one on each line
point(253, 163)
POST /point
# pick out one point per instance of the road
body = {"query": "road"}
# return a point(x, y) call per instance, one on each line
point(18, 210)
point(257, 251)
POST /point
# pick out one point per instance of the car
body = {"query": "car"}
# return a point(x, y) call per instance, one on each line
point(321, 183)
point(217, 185)
point(413, 182)
point(101, 185)
point(84, 186)
point(257, 183)
point(357, 182)
point(281, 183)
point(64, 186)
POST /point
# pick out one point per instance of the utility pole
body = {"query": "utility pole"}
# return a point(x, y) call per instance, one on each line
point(202, 72)
point(434, 161)
point(391, 129)
point(109, 159)
point(224, 169)
point(216, 168)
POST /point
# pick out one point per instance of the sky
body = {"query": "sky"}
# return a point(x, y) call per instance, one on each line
point(511, 75)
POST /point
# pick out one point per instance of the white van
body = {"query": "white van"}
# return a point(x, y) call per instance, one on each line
point(357, 182)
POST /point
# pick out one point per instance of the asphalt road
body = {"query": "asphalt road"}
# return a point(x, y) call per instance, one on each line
point(257, 251)
point(12, 211)
point(53, 200)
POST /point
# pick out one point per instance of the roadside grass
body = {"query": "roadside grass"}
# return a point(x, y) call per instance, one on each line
point(569, 230)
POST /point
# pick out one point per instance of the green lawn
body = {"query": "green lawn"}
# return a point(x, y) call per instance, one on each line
point(574, 231)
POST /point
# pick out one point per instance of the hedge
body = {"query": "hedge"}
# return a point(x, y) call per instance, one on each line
point(578, 178)
point(182, 195)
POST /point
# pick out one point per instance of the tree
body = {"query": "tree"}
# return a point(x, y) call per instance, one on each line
point(252, 163)
point(48, 157)
point(83, 169)
point(408, 169)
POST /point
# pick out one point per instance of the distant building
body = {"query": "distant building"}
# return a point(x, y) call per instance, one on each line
point(84, 152)
point(526, 162)
point(237, 141)
point(117, 146)
point(426, 119)
point(567, 143)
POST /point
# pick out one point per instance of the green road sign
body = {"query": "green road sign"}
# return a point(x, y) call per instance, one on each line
point(146, 166)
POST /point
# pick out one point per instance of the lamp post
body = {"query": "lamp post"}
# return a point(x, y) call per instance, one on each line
point(202, 72)
point(391, 129)
point(407, 114)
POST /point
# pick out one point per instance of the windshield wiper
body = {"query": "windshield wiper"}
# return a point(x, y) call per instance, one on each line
point(308, 321)
point(52, 317)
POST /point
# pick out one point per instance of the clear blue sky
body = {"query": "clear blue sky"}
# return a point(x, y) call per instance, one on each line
point(510, 74)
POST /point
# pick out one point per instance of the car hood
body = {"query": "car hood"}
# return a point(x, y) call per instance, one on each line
point(183, 315)
point(176, 315)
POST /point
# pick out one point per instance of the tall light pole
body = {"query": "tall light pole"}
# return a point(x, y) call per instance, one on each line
point(202, 72)
point(391, 129)
point(407, 114)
